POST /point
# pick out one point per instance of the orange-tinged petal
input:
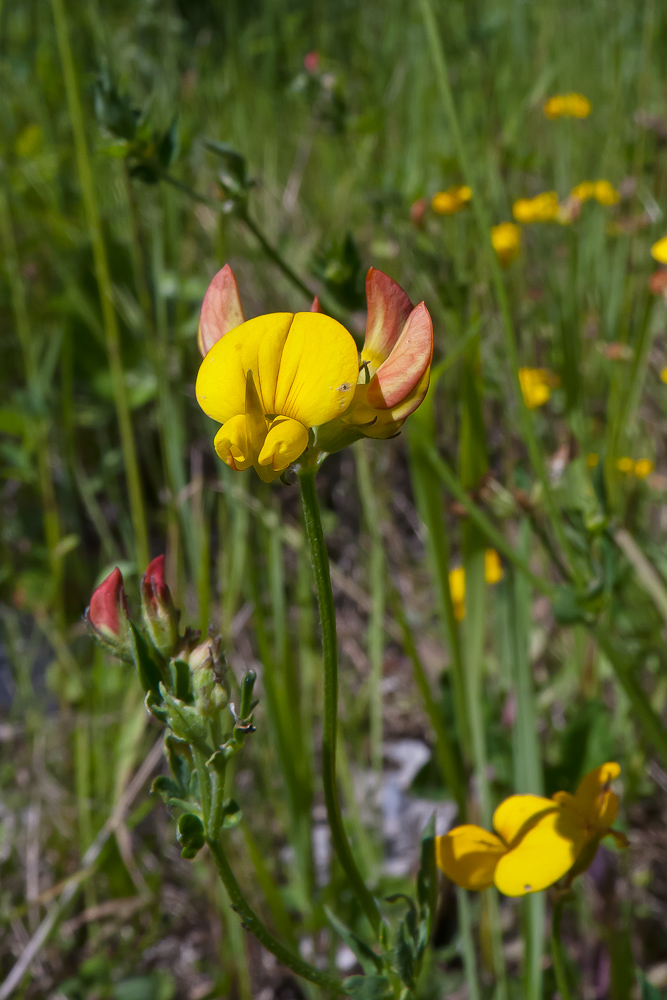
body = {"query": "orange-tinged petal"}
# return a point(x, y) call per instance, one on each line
point(406, 365)
point(388, 310)
point(541, 855)
point(468, 855)
point(594, 798)
point(221, 310)
point(231, 443)
point(318, 372)
point(256, 346)
point(517, 812)
point(285, 441)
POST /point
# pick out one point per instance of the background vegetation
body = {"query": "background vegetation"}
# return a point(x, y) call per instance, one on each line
point(106, 460)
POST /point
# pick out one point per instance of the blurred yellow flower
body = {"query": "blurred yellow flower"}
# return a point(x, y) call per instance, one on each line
point(592, 459)
point(663, 374)
point(493, 573)
point(537, 840)
point(567, 106)
point(602, 191)
point(506, 241)
point(643, 468)
point(451, 201)
point(536, 386)
point(626, 465)
point(659, 250)
point(542, 208)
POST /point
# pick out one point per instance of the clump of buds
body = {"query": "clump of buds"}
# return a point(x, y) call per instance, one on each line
point(209, 683)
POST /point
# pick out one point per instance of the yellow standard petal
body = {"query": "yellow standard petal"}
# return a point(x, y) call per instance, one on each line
point(542, 854)
point(516, 812)
point(285, 441)
point(468, 855)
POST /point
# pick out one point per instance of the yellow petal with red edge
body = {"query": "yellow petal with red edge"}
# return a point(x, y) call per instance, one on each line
point(468, 855)
point(542, 854)
point(319, 368)
point(256, 346)
point(221, 310)
point(594, 798)
point(231, 443)
point(285, 441)
point(388, 310)
point(406, 365)
point(517, 811)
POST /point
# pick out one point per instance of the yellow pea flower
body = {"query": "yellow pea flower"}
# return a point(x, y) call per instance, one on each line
point(626, 465)
point(602, 191)
point(270, 379)
point(659, 251)
point(536, 385)
point(571, 105)
point(542, 208)
point(506, 241)
point(451, 201)
point(493, 573)
point(643, 468)
point(536, 841)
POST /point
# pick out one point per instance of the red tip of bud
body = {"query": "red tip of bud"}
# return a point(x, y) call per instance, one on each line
point(107, 604)
point(316, 306)
point(157, 607)
point(154, 582)
point(311, 61)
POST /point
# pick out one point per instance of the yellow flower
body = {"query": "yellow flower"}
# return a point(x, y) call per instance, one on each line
point(602, 191)
point(493, 573)
point(537, 840)
point(567, 106)
point(451, 201)
point(536, 386)
point(663, 374)
point(643, 468)
point(270, 379)
point(659, 251)
point(542, 208)
point(395, 366)
point(626, 465)
point(506, 241)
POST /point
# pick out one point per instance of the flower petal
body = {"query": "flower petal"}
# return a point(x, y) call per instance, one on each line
point(468, 855)
point(231, 443)
point(256, 346)
point(594, 798)
point(408, 362)
point(541, 855)
point(285, 441)
point(318, 372)
point(517, 812)
point(221, 310)
point(388, 310)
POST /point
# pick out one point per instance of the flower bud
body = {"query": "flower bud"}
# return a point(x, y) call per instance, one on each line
point(157, 608)
point(107, 615)
point(209, 684)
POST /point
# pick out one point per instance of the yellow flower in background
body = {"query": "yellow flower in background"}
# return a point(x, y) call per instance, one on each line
point(493, 573)
point(270, 379)
point(592, 460)
point(602, 191)
point(641, 468)
point(542, 208)
point(451, 201)
point(663, 374)
point(536, 386)
point(567, 106)
point(537, 840)
point(506, 241)
point(659, 251)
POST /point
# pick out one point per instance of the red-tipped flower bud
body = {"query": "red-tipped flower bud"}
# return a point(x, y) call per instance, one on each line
point(107, 614)
point(157, 608)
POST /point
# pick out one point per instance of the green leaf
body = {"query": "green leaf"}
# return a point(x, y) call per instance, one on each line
point(231, 814)
point(427, 877)
point(166, 788)
point(180, 673)
point(155, 706)
point(369, 961)
point(180, 762)
point(185, 721)
point(190, 834)
point(149, 673)
point(405, 954)
point(368, 987)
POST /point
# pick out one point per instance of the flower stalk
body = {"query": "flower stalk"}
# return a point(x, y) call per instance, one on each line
point(320, 562)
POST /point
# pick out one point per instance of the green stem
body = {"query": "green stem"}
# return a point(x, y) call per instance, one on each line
point(104, 283)
point(320, 561)
point(204, 785)
point(557, 951)
point(253, 923)
point(468, 944)
point(511, 350)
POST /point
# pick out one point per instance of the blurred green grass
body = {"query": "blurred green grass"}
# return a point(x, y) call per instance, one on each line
point(347, 149)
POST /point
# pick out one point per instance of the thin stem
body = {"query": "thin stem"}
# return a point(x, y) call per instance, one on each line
point(511, 350)
point(253, 923)
point(557, 951)
point(320, 561)
point(104, 283)
point(467, 944)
